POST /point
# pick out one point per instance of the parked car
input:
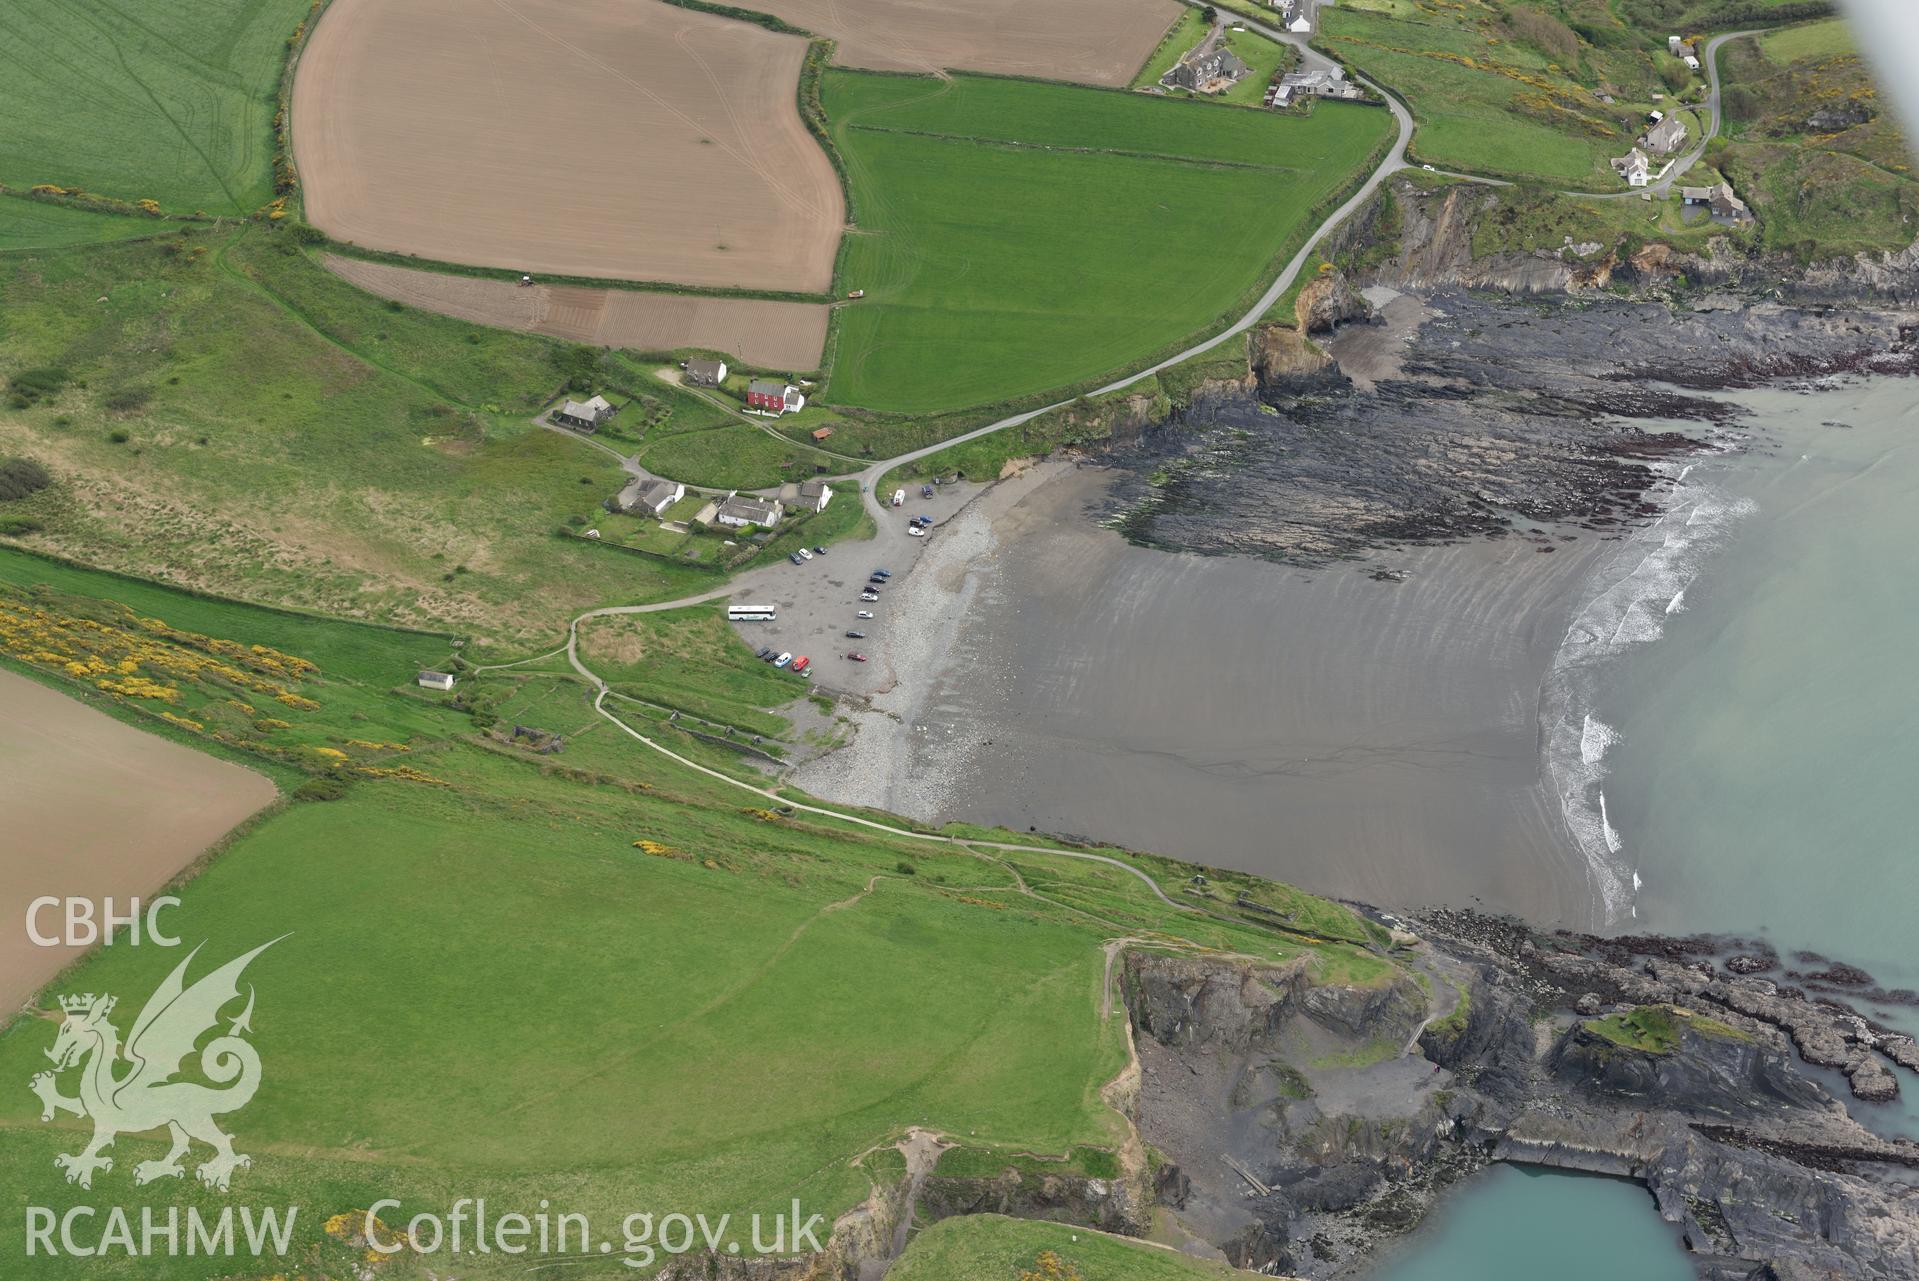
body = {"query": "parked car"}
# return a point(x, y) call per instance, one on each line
point(795, 558)
point(856, 635)
point(782, 660)
point(899, 497)
point(819, 551)
point(882, 573)
point(877, 581)
point(857, 657)
point(917, 532)
point(766, 651)
point(865, 613)
point(926, 491)
point(869, 596)
point(801, 663)
point(804, 554)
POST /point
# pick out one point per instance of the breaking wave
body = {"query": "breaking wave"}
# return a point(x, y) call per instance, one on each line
point(1638, 589)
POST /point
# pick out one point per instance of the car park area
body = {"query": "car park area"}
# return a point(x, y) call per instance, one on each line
point(834, 604)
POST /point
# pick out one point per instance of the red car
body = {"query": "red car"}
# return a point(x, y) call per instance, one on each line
point(857, 657)
point(799, 664)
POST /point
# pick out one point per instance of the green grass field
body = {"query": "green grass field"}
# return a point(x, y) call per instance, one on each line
point(240, 421)
point(36, 224)
point(1017, 237)
point(171, 102)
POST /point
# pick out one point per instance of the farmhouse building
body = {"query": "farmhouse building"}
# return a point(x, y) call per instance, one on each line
point(1665, 137)
point(652, 495)
point(584, 415)
point(436, 680)
point(738, 511)
point(774, 397)
point(809, 495)
point(1206, 71)
point(706, 373)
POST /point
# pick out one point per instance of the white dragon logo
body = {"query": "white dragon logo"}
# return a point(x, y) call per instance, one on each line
point(146, 1096)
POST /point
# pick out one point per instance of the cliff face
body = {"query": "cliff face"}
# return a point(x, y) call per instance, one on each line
point(1430, 243)
point(1303, 1122)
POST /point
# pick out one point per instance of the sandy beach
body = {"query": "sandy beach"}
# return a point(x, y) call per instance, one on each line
point(1372, 739)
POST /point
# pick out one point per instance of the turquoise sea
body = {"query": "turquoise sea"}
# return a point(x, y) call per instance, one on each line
point(1512, 1224)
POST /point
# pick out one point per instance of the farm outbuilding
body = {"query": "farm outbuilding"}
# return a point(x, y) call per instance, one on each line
point(706, 373)
point(436, 680)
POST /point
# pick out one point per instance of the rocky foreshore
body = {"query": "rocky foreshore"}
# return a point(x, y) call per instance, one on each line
point(1457, 415)
point(1306, 1124)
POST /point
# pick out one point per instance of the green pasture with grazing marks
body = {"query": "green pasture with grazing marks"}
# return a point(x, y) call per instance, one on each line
point(26, 223)
point(1018, 237)
point(170, 102)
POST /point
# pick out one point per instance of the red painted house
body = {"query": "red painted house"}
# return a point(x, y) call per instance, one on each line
point(774, 398)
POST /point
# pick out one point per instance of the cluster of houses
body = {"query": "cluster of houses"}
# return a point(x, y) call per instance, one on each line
point(1686, 49)
point(1297, 85)
point(1666, 135)
point(763, 395)
point(737, 510)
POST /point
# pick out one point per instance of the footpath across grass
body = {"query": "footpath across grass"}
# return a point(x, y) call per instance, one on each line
point(1017, 237)
point(171, 102)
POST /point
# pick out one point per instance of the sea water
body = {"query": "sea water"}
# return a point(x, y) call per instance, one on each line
point(1733, 721)
point(1513, 1224)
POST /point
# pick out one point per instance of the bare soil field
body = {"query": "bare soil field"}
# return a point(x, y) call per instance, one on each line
point(95, 808)
point(771, 335)
point(1100, 42)
point(618, 138)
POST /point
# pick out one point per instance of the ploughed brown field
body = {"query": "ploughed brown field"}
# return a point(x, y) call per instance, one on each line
point(771, 335)
point(1101, 42)
point(619, 138)
point(91, 807)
